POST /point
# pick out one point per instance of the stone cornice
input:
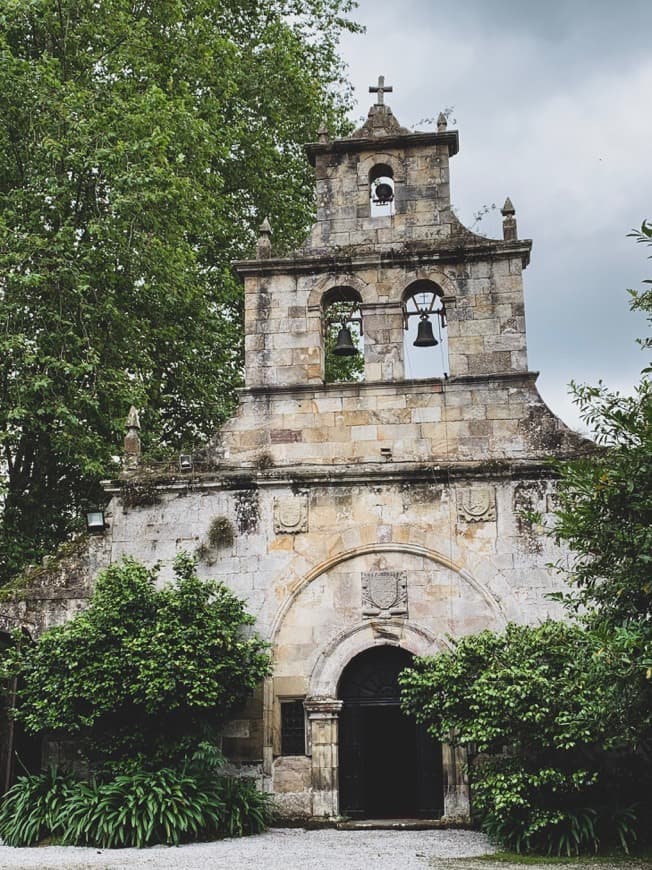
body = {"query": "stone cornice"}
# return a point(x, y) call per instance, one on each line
point(438, 472)
point(450, 139)
point(450, 250)
point(433, 385)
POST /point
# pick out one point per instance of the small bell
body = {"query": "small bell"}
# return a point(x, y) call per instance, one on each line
point(344, 345)
point(425, 336)
point(383, 193)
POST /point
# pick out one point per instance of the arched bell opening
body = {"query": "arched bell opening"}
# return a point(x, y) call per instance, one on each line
point(425, 344)
point(343, 335)
point(381, 191)
point(389, 767)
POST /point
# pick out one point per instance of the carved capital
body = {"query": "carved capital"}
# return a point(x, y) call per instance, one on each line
point(322, 708)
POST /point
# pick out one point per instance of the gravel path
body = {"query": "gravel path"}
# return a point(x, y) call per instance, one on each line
point(278, 849)
point(293, 849)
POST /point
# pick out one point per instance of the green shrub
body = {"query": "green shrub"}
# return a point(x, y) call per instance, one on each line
point(550, 810)
point(135, 808)
point(246, 809)
point(33, 808)
point(142, 670)
point(557, 772)
point(140, 809)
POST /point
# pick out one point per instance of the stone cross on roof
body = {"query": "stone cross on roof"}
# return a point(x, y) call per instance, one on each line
point(381, 89)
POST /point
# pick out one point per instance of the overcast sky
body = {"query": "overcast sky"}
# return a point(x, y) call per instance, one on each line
point(553, 103)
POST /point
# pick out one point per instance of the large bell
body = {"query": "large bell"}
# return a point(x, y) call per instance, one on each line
point(344, 345)
point(383, 193)
point(425, 336)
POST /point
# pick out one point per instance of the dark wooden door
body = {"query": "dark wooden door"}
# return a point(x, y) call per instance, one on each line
point(389, 766)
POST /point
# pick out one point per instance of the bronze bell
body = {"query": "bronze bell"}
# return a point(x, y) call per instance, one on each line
point(425, 336)
point(383, 193)
point(344, 345)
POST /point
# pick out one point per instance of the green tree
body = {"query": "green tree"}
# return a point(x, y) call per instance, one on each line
point(140, 146)
point(142, 670)
point(605, 517)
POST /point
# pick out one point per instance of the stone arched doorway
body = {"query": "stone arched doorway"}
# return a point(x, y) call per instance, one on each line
point(389, 767)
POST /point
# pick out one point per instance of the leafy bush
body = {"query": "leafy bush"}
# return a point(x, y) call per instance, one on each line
point(139, 808)
point(34, 807)
point(550, 811)
point(246, 810)
point(142, 670)
point(554, 774)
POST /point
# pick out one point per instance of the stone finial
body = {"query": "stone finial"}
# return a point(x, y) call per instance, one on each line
point(509, 221)
point(264, 246)
point(442, 123)
point(323, 134)
point(132, 439)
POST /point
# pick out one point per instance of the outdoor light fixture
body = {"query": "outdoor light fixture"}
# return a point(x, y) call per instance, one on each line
point(185, 462)
point(95, 523)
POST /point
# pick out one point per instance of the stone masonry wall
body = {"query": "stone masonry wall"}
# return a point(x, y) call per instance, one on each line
point(460, 419)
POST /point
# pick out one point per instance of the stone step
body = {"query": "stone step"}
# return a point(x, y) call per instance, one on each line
point(398, 824)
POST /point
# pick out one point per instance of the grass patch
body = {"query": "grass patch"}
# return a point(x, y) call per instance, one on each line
point(615, 860)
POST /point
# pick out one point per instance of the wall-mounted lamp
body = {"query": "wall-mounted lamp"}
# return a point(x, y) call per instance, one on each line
point(95, 523)
point(185, 462)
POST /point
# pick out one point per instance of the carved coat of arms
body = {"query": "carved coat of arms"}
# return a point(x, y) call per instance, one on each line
point(291, 515)
point(384, 593)
point(477, 504)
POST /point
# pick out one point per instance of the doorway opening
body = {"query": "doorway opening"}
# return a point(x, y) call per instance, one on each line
point(389, 766)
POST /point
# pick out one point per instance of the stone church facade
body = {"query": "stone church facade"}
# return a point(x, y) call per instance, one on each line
point(365, 522)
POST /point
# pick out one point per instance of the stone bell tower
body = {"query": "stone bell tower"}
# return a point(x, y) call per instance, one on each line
point(389, 258)
point(375, 517)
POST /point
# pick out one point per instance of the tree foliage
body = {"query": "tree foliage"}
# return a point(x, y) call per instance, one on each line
point(605, 517)
point(519, 688)
point(605, 512)
point(140, 146)
point(553, 769)
point(142, 670)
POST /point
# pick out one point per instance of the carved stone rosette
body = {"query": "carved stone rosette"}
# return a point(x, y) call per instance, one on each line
point(384, 593)
point(291, 515)
point(477, 504)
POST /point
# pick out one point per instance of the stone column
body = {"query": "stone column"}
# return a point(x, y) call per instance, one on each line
point(383, 341)
point(456, 783)
point(268, 727)
point(323, 716)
